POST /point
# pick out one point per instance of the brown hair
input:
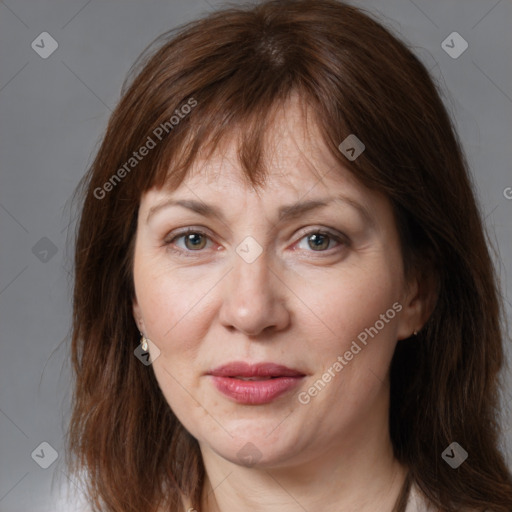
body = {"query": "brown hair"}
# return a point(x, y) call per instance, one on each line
point(237, 65)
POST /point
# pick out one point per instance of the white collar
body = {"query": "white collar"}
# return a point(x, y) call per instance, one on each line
point(417, 502)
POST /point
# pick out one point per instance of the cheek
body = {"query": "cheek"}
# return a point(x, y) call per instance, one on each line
point(178, 312)
point(354, 300)
point(175, 313)
point(358, 309)
point(168, 299)
point(359, 323)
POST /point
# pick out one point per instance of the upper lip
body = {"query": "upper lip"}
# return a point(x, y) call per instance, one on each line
point(244, 369)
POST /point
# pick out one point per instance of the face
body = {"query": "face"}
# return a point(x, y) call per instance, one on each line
point(276, 323)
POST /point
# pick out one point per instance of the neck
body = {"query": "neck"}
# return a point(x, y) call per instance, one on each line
point(358, 476)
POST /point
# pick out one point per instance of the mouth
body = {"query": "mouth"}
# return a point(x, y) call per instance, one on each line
point(254, 378)
point(254, 384)
point(258, 371)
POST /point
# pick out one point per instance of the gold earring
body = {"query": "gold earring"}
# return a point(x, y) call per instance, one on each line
point(144, 342)
point(415, 332)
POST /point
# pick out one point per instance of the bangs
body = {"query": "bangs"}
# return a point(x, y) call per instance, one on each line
point(215, 126)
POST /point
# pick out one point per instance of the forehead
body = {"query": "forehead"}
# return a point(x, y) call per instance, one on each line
point(295, 158)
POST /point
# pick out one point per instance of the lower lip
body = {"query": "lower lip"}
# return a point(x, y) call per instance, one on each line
point(255, 392)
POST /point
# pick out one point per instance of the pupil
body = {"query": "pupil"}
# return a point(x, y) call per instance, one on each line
point(317, 240)
point(195, 239)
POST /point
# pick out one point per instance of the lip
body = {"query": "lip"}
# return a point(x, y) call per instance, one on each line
point(278, 379)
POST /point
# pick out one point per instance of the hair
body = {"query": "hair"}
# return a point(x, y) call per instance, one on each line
point(235, 67)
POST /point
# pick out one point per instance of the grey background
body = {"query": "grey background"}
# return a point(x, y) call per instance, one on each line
point(53, 112)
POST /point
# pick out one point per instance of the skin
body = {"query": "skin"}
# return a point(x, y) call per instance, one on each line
point(293, 305)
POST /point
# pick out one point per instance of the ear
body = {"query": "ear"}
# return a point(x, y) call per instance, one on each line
point(137, 315)
point(418, 302)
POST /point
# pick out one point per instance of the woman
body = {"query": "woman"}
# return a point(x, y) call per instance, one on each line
point(283, 298)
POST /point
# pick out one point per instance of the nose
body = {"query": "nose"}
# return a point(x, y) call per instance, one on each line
point(254, 298)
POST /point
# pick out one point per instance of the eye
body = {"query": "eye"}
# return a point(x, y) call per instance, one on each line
point(321, 240)
point(194, 240)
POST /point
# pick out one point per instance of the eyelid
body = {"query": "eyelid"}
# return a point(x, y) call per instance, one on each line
point(324, 231)
point(185, 231)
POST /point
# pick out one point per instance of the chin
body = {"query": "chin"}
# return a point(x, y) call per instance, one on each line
point(255, 448)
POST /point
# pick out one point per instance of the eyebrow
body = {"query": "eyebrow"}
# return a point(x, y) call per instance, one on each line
point(285, 213)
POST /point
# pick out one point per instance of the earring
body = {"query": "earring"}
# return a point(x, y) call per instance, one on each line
point(144, 342)
point(415, 332)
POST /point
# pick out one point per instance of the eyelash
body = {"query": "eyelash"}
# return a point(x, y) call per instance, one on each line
point(342, 239)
